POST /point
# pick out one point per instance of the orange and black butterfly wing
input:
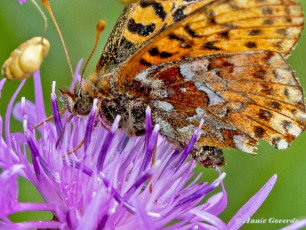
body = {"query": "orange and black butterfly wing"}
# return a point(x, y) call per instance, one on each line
point(138, 23)
point(110, 54)
point(220, 26)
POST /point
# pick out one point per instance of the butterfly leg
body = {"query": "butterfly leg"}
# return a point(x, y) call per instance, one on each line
point(48, 119)
point(208, 156)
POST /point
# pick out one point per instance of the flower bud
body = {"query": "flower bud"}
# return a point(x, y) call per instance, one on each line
point(26, 59)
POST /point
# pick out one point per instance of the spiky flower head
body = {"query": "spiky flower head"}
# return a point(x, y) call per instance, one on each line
point(112, 181)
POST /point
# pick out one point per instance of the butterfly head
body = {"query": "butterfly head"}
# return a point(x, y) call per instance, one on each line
point(77, 103)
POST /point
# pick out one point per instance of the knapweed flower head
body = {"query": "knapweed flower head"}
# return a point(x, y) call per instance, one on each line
point(112, 181)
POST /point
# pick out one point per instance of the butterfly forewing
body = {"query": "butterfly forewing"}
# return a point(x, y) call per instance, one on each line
point(219, 27)
point(138, 23)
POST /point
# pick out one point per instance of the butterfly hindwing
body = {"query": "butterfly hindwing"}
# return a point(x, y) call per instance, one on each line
point(215, 88)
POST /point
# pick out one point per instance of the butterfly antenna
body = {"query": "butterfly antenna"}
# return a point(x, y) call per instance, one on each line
point(48, 119)
point(47, 5)
point(100, 27)
point(76, 148)
point(44, 17)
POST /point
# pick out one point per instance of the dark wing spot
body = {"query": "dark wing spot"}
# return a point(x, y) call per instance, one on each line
point(175, 37)
point(268, 21)
point(275, 105)
point(159, 9)
point(269, 56)
point(251, 45)
point(286, 93)
point(282, 32)
point(260, 74)
point(219, 62)
point(266, 89)
point(165, 54)
point(230, 26)
point(184, 43)
point(259, 132)
point(211, 46)
point(154, 52)
point(191, 32)
point(286, 124)
point(254, 32)
point(275, 140)
point(179, 14)
point(228, 64)
point(138, 28)
point(288, 20)
point(268, 11)
point(278, 45)
point(211, 17)
point(144, 62)
point(225, 35)
point(265, 115)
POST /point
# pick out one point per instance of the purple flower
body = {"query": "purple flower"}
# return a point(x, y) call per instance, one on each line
point(111, 181)
point(22, 1)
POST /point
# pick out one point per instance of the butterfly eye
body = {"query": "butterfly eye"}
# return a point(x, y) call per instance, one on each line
point(83, 106)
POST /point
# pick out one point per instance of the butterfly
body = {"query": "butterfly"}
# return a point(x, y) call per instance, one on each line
point(222, 61)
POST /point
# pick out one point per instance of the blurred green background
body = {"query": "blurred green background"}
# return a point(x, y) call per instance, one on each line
point(246, 174)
